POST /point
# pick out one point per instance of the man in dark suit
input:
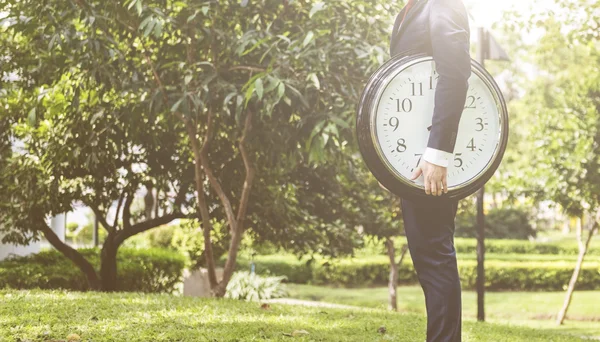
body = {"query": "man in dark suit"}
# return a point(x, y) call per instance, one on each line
point(441, 29)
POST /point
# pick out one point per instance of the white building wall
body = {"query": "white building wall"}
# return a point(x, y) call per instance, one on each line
point(57, 223)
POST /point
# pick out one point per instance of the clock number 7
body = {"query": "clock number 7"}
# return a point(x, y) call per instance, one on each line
point(420, 157)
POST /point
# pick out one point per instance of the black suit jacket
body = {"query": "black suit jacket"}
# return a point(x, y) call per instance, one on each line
point(439, 28)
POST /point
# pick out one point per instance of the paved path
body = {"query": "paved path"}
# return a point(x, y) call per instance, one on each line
point(310, 303)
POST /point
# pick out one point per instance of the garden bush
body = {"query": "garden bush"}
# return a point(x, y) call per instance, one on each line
point(374, 271)
point(500, 223)
point(253, 287)
point(151, 270)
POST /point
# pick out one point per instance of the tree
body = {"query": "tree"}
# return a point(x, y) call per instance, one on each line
point(247, 92)
point(565, 96)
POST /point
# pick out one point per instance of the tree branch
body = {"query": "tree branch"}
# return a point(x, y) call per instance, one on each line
point(116, 221)
point(127, 211)
point(214, 182)
point(146, 225)
point(247, 68)
point(250, 170)
point(101, 218)
point(71, 253)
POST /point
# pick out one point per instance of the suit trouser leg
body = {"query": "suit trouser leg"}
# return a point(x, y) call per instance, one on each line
point(429, 226)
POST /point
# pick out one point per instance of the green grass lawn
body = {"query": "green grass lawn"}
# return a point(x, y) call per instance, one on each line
point(534, 309)
point(54, 315)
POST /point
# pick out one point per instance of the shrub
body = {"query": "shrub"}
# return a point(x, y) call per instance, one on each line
point(469, 246)
point(374, 271)
point(253, 287)
point(149, 270)
point(500, 223)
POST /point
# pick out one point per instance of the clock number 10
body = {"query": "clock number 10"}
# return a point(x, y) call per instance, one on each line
point(404, 105)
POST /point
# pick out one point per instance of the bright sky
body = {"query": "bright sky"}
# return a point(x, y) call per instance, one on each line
point(487, 12)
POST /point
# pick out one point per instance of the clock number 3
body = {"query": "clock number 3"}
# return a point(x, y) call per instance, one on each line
point(480, 124)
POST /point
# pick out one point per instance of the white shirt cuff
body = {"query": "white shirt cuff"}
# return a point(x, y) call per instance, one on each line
point(437, 157)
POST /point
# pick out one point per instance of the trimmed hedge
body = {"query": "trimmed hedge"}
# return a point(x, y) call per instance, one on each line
point(469, 246)
point(150, 270)
point(374, 271)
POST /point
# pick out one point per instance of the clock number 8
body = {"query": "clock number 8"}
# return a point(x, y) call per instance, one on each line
point(401, 145)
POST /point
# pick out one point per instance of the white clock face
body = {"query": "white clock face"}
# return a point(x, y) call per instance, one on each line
point(404, 114)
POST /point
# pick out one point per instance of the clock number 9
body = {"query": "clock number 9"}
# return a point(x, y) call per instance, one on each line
point(401, 145)
point(394, 122)
point(404, 106)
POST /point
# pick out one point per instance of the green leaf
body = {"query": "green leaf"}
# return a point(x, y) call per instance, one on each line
point(308, 38)
point(249, 93)
point(314, 79)
point(138, 6)
point(316, 8)
point(205, 10)
point(188, 79)
point(258, 84)
point(32, 117)
point(340, 122)
point(177, 104)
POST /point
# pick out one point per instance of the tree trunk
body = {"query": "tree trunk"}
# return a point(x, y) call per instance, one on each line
point(480, 255)
point(108, 264)
point(234, 247)
point(393, 281)
point(583, 248)
point(201, 203)
point(73, 255)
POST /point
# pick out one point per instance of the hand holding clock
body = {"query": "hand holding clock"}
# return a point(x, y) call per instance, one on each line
point(435, 178)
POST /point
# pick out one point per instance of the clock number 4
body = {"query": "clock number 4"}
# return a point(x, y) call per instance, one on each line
point(471, 145)
point(404, 105)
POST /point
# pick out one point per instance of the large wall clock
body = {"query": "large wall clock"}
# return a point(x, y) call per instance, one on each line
point(395, 114)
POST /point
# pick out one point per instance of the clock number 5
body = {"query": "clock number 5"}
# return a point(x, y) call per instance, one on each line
point(458, 160)
point(404, 106)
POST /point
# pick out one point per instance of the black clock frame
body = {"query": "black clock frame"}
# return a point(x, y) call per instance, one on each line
point(372, 158)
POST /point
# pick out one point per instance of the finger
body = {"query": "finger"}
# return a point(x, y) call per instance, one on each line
point(445, 182)
point(440, 189)
point(418, 172)
point(427, 185)
point(433, 188)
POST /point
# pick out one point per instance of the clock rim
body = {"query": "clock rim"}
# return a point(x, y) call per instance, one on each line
point(367, 136)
